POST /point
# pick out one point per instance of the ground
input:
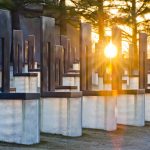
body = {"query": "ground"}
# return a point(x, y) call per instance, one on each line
point(125, 138)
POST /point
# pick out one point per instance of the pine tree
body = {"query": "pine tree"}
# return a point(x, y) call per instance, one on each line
point(128, 13)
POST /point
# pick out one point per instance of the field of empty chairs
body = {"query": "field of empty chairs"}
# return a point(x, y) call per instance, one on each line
point(59, 93)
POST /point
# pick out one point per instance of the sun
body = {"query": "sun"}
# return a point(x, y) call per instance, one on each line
point(110, 51)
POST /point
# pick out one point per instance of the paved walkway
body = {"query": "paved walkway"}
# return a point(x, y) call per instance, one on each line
point(125, 138)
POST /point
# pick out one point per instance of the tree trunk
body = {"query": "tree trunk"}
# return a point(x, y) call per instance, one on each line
point(101, 22)
point(134, 33)
point(101, 31)
point(63, 26)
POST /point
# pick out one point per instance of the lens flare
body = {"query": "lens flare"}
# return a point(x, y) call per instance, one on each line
point(110, 51)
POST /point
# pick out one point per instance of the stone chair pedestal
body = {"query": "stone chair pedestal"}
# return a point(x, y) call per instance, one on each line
point(19, 115)
point(61, 113)
point(99, 110)
point(131, 107)
point(26, 82)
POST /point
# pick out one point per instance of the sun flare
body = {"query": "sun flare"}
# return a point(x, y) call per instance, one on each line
point(110, 51)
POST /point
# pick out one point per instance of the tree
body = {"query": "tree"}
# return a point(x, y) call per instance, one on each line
point(57, 9)
point(129, 11)
point(18, 4)
point(98, 13)
point(94, 13)
point(16, 7)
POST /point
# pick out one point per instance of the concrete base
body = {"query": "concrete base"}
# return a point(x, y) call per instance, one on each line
point(25, 70)
point(130, 109)
point(19, 121)
point(68, 81)
point(100, 83)
point(61, 116)
point(98, 112)
point(25, 84)
point(65, 90)
point(126, 78)
point(148, 78)
point(147, 106)
point(95, 81)
point(39, 79)
point(107, 87)
point(124, 86)
point(11, 79)
point(0, 79)
point(76, 66)
point(95, 78)
point(71, 81)
point(134, 83)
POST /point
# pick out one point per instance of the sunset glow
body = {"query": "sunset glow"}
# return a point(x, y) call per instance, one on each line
point(110, 51)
